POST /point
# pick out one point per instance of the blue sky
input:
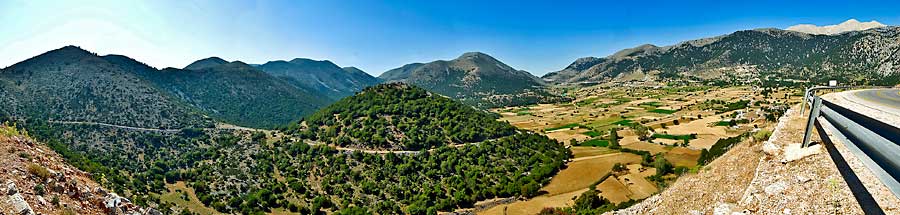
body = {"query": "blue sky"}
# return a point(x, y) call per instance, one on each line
point(536, 36)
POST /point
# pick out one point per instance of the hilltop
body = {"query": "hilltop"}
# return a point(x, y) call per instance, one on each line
point(398, 116)
point(475, 78)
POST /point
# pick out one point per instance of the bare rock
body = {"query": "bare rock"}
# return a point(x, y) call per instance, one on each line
point(796, 151)
point(776, 188)
point(11, 188)
point(722, 209)
point(19, 204)
point(771, 149)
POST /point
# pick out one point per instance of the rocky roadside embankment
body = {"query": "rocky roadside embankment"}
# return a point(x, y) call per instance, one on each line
point(755, 177)
point(36, 180)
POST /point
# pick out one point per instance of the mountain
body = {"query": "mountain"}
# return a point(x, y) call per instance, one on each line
point(324, 77)
point(400, 73)
point(398, 116)
point(44, 173)
point(237, 93)
point(476, 79)
point(205, 63)
point(849, 25)
point(856, 57)
point(74, 85)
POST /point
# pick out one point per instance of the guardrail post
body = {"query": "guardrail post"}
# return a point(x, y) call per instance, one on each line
point(803, 102)
point(813, 114)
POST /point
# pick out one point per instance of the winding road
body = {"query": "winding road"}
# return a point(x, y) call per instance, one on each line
point(889, 98)
point(115, 126)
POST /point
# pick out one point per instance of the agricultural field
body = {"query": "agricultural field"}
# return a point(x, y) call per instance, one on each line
point(667, 124)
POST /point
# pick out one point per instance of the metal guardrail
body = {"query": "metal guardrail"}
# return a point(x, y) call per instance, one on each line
point(875, 143)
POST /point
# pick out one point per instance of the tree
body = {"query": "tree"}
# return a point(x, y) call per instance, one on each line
point(662, 165)
point(619, 167)
point(641, 131)
point(614, 139)
point(531, 189)
point(588, 201)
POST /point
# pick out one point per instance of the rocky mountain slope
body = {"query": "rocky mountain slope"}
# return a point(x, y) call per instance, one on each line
point(36, 180)
point(476, 79)
point(858, 57)
point(323, 77)
point(74, 85)
point(71, 84)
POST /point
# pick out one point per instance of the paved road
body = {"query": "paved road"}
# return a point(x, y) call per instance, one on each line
point(884, 97)
point(116, 126)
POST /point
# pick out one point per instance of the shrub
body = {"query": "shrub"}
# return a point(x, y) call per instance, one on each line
point(39, 189)
point(762, 135)
point(39, 171)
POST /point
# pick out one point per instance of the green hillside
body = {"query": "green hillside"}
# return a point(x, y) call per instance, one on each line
point(401, 117)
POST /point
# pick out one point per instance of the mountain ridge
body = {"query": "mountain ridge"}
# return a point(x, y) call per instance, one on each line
point(807, 56)
point(475, 78)
point(321, 76)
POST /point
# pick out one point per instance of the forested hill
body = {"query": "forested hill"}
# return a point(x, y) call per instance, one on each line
point(476, 79)
point(398, 116)
point(239, 94)
point(71, 84)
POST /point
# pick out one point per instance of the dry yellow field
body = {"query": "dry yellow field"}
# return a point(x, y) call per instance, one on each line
point(639, 186)
point(534, 205)
point(653, 148)
point(614, 190)
point(582, 173)
point(587, 151)
point(193, 203)
point(683, 157)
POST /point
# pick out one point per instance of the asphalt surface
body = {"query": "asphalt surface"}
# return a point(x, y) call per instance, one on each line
point(884, 97)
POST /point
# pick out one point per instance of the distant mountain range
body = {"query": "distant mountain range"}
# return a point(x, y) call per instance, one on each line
point(858, 57)
point(475, 78)
point(321, 76)
point(849, 25)
point(71, 84)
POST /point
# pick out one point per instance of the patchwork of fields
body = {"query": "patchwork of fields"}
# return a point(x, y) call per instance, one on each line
point(676, 124)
